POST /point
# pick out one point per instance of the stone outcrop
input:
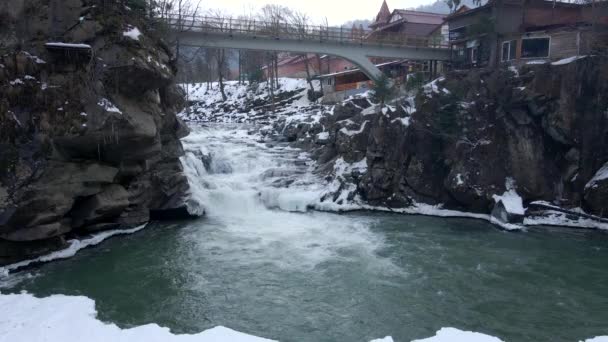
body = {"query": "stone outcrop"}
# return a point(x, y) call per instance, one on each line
point(89, 138)
point(544, 126)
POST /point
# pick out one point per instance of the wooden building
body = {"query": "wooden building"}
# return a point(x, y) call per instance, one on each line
point(521, 31)
point(340, 85)
point(294, 66)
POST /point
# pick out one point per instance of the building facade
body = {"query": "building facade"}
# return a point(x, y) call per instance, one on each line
point(522, 31)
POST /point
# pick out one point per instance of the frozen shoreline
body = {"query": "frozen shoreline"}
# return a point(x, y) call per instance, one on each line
point(60, 318)
point(75, 245)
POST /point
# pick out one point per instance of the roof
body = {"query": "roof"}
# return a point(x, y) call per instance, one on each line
point(417, 18)
point(383, 15)
point(465, 11)
point(352, 71)
point(420, 17)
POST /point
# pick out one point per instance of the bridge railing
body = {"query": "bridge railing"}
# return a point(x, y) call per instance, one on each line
point(282, 30)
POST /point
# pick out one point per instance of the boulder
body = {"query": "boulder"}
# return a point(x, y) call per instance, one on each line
point(596, 192)
point(502, 214)
point(106, 205)
point(41, 232)
point(11, 252)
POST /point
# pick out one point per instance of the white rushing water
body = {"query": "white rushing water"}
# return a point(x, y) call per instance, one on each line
point(260, 193)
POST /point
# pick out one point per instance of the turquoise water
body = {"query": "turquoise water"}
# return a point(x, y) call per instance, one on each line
point(404, 276)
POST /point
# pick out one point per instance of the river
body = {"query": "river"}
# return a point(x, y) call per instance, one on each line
point(261, 263)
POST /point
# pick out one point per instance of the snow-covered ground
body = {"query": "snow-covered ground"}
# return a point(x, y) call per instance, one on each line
point(245, 103)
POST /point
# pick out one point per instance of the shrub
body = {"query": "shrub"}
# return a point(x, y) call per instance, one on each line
point(382, 90)
point(414, 81)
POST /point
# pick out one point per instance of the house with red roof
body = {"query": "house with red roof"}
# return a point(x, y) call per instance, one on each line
point(415, 26)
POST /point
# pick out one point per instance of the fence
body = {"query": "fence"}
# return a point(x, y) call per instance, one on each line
point(282, 30)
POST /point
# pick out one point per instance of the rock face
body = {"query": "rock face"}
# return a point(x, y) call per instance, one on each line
point(89, 138)
point(545, 127)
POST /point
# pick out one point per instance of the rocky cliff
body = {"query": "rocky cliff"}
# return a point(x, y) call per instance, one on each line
point(89, 138)
point(465, 138)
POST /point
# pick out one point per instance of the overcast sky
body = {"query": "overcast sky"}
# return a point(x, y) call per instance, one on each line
point(336, 11)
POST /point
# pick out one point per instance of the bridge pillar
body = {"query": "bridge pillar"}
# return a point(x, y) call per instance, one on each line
point(366, 66)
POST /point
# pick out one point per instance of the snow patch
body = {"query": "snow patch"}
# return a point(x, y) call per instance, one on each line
point(404, 121)
point(459, 180)
point(432, 87)
point(537, 62)
point(510, 199)
point(350, 133)
point(568, 60)
point(74, 318)
point(16, 81)
point(600, 175)
point(108, 106)
point(132, 32)
point(455, 335)
point(323, 136)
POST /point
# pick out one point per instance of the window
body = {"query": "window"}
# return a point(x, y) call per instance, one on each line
point(509, 49)
point(535, 47)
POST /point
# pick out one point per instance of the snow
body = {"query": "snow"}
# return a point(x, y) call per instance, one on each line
point(459, 180)
point(71, 250)
point(61, 318)
point(323, 136)
point(350, 133)
point(568, 60)
point(16, 81)
point(455, 335)
point(510, 199)
point(560, 219)
point(537, 62)
point(597, 339)
point(108, 106)
point(371, 110)
point(432, 87)
point(74, 318)
point(132, 32)
point(68, 45)
point(16, 119)
point(386, 339)
point(600, 175)
point(404, 121)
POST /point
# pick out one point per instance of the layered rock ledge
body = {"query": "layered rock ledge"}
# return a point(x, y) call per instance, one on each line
point(89, 137)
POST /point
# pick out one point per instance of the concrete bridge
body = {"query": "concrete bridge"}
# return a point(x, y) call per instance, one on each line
point(353, 45)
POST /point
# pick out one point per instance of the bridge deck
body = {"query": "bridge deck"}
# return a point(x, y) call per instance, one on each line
point(353, 45)
point(291, 31)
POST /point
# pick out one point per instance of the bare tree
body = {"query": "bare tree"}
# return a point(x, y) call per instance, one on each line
point(300, 22)
point(221, 22)
point(275, 19)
